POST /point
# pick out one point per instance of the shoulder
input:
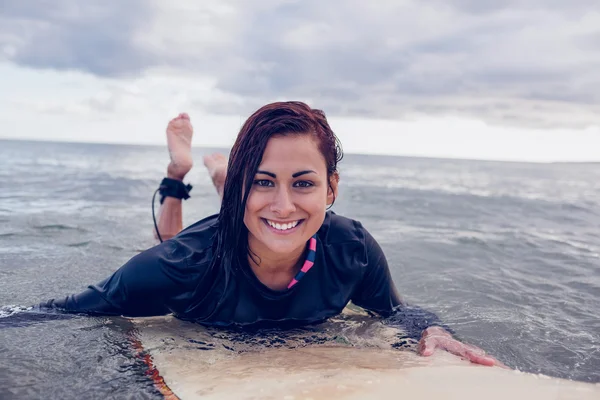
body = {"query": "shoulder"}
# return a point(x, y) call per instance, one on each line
point(345, 241)
point(337, 229)
point(201, 232)
point(194, 244)
point(202, 229)
point(349, 237)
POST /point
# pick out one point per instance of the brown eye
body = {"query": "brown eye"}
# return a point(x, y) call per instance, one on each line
point(303, 184)
point(263, 183)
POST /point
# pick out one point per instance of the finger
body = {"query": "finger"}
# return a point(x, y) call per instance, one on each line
point(435, 331)
point(481, 359)
point(453, 346)
point(472, 353)
point(501, 364)
point(428, 351)
point(469, 352)
point(426, 347)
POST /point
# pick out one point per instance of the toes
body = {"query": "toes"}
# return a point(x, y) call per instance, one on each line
point(181, 116)
point(207, 159)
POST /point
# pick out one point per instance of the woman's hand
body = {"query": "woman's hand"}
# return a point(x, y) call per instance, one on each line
point(435, 337)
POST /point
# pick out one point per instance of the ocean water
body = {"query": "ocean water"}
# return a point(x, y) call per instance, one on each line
point(507, 254)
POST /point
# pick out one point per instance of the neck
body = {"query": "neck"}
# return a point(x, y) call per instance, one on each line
point(274, 262)
point(272, 269)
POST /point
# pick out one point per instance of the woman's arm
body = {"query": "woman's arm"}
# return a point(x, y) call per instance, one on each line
point(378, 293)
point(145, 286)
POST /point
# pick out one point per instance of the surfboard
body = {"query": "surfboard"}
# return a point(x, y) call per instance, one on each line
point(188, 361)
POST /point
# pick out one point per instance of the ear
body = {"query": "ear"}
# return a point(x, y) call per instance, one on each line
point(332, 189)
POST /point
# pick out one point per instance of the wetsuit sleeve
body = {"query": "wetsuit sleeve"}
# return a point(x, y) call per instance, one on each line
point(378, 293)
point(148, 284)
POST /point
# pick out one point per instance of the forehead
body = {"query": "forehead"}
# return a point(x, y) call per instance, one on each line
point(293, 152)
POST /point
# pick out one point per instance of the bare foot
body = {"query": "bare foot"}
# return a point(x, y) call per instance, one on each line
point(179, 142)
point(217, 168)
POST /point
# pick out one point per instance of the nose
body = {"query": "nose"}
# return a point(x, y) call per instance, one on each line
point(283, 204)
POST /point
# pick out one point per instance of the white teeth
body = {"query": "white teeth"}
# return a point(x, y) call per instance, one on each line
point(283, 227)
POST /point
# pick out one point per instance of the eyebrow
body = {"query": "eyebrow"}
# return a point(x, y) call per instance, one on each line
point(295, 175)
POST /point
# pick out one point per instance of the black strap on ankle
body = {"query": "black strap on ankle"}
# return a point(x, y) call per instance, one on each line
point(174, 188)
point(169, 188)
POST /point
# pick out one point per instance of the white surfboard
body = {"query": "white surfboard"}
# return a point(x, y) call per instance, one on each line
point(200, 363)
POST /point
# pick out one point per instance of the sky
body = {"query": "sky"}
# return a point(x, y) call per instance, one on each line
point(515, 80)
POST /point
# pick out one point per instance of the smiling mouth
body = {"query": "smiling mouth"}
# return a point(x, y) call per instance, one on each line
point(282, 226)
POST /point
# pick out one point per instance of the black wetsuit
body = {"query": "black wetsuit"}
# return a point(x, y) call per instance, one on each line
point(176, 277)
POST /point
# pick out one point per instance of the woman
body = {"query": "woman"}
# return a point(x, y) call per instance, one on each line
point(273, 256)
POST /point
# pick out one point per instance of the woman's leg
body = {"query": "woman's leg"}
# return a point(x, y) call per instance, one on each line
point(179, 142)
point(216, 164)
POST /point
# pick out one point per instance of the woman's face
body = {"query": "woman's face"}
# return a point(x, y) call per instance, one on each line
point(289, 195)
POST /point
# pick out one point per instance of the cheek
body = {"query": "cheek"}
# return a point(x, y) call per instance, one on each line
point(254, 204)
point(316, 202)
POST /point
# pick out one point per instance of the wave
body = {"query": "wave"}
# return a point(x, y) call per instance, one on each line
point(13, 316)
point(10, 310)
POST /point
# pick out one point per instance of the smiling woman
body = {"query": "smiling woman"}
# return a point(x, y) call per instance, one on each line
point(274, 255)
point(286, 206)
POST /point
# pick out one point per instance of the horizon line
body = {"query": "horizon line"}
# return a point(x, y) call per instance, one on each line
point(36, 140)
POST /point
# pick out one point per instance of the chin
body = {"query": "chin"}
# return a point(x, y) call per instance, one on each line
point(286, 247)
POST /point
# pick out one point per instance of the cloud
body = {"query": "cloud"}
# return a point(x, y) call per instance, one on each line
point(94, 36)
point(532, 63)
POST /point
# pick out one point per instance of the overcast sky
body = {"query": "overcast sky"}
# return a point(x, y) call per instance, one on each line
point(501, 79)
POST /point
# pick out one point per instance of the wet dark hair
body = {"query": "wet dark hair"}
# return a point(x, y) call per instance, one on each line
point(276, 119)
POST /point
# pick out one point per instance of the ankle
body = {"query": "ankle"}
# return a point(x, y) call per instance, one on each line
point(175, 176)
point(176, 172)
